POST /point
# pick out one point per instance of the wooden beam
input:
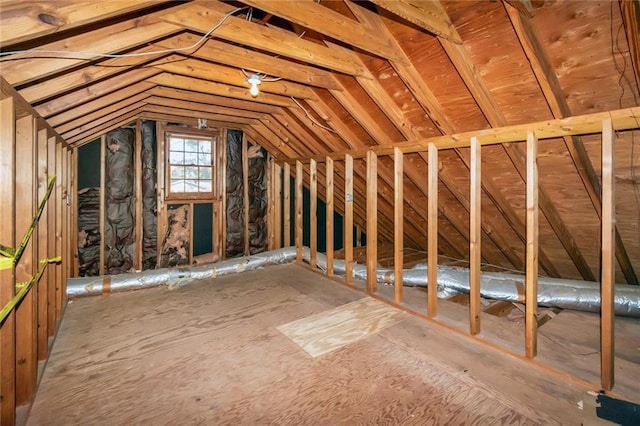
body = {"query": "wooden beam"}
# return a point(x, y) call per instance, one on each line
point(277, 185)
point(213, 100)
point(287, 205)
point(42, 241)
point(313, 211)
point(372, 222)
point(252, 61)
point(106, 40)
point(333, 24)
point(245, 191)
point(219, 89)
point(59, 195)
point(103, 176)
point(623, 119)
point(531, 292)
point(51, 224)
point(7, 276)
point(474, 237)
point(631, 22)
point(608, 270)
point(27, 21)
point(231, 76)
point(348, 219)
point(198, 17)
point(424, 15)
point(26, 312)
point(522, 6)
point(137, 260)
point(432, 234)
point(398, 221)
point(329, 216)
point(299, 212)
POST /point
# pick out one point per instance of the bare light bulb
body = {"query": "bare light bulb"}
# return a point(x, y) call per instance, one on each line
point(254, 80)
point(254, 90)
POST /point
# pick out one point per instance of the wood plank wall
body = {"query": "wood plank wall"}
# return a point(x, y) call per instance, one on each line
point(31, 152)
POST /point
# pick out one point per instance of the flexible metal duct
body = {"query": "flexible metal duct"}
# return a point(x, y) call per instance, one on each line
point(552, 292)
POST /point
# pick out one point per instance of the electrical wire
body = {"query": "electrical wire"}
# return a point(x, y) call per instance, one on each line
point(313, 120)
point(123, 55)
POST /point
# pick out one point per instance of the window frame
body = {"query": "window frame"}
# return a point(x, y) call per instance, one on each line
point(178, 196)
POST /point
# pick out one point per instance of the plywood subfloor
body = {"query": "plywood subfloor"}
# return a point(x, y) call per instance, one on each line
point(211, 353)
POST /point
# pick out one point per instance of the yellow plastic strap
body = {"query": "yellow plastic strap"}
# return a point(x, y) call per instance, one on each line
point(10, 256)
point(25, 287)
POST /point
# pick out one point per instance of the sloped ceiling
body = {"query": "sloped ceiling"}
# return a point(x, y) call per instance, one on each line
point(348, 75)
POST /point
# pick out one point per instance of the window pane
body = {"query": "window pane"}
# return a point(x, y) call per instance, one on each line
point(191, 185)
point(191, 172)
point(177, 172)
point(177, 185)
point(191, 145)
point(205, 185)
point(205, 147)
point(204, 173)
point(204, 159)
point(176, 158)
point(190, 158)
point(177, 144)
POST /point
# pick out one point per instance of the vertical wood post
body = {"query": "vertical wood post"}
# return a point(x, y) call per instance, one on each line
point(245, 185)
point(313, 213)
point(298, 212)
point(348, 219)
point(398, 222)
point(7, 276)
point(137, 158)
point(372, 221)
point(160, 184)
point(277, 213)
point(329, 219)
point(607, 315)
point(531, 292)
point(287, 205)
point(271, 190)
point(51, 225)
point(59, 231)
point(43, 246)
point(26, 312)
point(73, 212)
point(474, 237)
point(103, 186)
point(432, 233)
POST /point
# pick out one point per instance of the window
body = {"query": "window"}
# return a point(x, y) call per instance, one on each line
point(190, 165)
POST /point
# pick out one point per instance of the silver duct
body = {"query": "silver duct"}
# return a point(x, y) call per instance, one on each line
point(552, 292)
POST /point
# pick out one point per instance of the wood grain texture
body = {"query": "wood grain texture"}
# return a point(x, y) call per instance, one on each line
point(217, 345)
point(330, 330)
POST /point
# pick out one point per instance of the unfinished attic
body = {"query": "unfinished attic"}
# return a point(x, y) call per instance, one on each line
point(332, 212)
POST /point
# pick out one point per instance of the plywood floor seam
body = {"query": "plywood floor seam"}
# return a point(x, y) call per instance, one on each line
point(212, 353)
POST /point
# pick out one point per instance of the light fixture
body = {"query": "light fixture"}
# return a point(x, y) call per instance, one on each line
point(254, 80)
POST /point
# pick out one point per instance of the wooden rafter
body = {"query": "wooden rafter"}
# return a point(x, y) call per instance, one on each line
point(424, 14)
point(22, 21)
point(199, 17)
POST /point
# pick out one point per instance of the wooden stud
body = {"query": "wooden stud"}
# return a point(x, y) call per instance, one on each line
point(43, 245)
point(59, 235)
point(531, 291)
point(137, 158)
point(358, 236)
point(26, 312)
point(7, 276)
point(372, 221)
point(73, 212)
point(51, 224)
point(270, 203)
point(191, 227)
point(313, 212)
point(223, 192)
point(398, 219)
point(329, 216)
point(245, 185)
point(607, 281)
point(348, 219)
point(432, 234)
point(103, 159)
point(474, 237)
point(287, 205)
point(277, 183)
point(299, 212)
